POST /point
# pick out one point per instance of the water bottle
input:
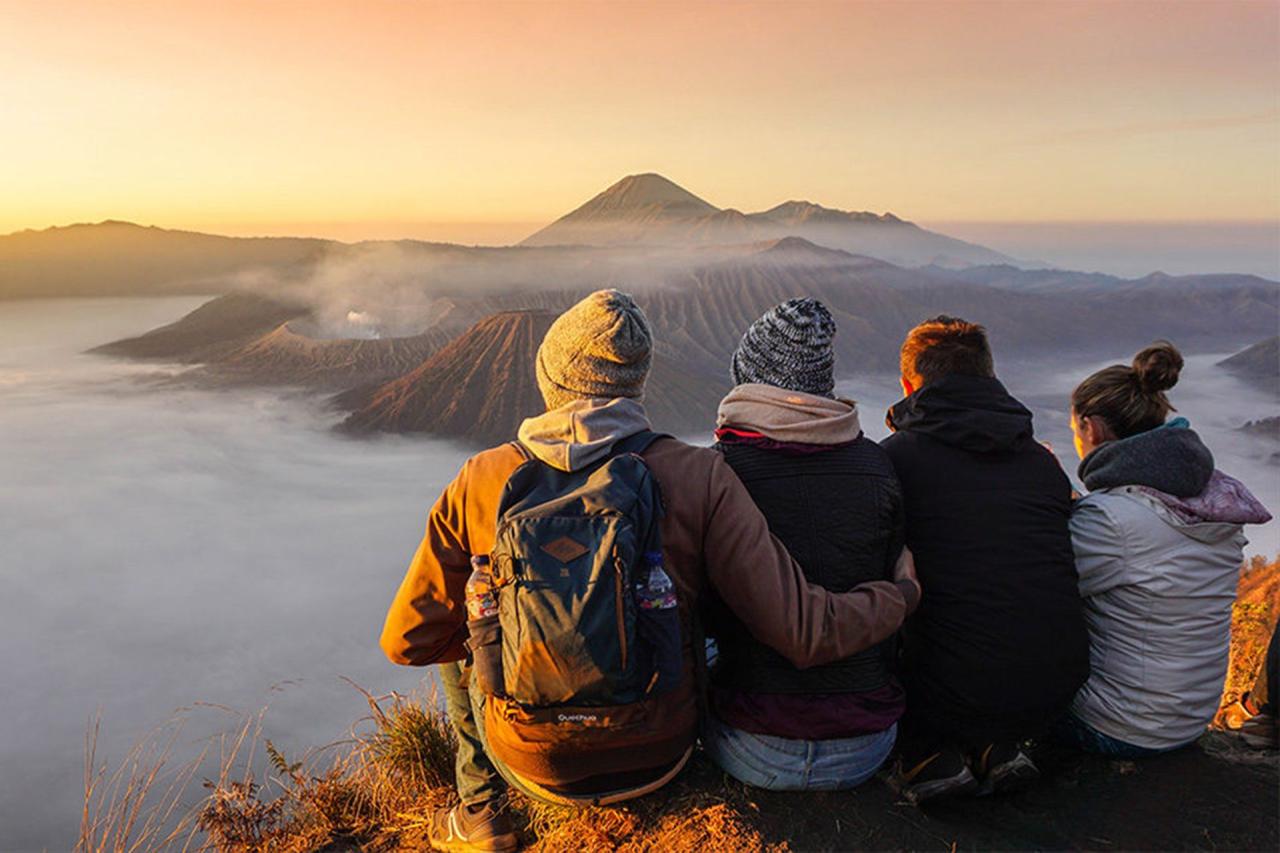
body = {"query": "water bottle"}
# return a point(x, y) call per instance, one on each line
point(485, 632)
point(658, 622)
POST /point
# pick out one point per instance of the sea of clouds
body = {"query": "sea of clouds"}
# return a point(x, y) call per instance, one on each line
point(165, 546)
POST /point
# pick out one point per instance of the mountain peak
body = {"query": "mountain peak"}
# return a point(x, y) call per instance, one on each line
point(649, 209)
point(644, 192)
point(626, 212)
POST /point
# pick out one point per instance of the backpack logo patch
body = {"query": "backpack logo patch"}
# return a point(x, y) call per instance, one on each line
point(565, 549)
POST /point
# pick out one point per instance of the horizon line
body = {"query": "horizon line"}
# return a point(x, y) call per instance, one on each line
point(283, 230)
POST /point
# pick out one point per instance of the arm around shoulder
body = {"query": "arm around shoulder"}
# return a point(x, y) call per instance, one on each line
point(765, 588)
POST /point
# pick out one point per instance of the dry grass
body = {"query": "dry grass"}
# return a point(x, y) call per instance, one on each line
point(1253, 618)
point(378, 787)
point(138, 805)
point(376, 791)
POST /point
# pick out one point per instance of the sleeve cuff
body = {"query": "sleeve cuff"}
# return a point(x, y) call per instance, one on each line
point(910, 593)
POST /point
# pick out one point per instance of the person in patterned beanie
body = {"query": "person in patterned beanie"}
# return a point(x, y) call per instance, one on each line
point(789, 347)
point(830, 494)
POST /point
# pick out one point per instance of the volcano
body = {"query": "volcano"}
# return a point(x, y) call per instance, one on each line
point(482, 385)
point(293, 353)
point(652, 210)
point(213, 331)
point(638, 209)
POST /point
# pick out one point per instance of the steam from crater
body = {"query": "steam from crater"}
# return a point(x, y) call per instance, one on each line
point(362, 324)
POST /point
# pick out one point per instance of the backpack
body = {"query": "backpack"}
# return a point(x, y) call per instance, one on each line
point(569, 551)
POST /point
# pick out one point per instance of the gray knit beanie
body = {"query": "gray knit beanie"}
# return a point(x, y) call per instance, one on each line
point(600, 347)
point(789, 347)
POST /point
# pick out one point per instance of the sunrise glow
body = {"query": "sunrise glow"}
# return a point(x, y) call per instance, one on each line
point(480, 122)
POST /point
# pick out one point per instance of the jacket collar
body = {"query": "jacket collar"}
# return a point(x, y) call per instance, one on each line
point(582, 432)
point(973, 413)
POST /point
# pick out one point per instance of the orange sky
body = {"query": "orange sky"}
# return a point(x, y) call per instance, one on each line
point(478, 121)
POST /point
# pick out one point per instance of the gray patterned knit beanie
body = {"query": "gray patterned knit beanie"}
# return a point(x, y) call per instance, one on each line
point(789, 347)
point(601, 347)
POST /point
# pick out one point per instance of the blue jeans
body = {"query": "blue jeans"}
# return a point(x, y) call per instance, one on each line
point(1074, 731)
point(783, 764)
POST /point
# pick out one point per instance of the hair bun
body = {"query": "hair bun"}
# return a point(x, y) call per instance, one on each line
point(1157, 367)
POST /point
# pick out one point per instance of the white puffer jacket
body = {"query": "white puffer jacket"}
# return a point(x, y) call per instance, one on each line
point(1158, 575)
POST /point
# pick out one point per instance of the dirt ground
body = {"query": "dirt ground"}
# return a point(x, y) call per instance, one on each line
point(1188, 800)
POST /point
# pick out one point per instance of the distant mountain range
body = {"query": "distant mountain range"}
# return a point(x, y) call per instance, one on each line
point(440, 338)
point(634, 233)
point(647, 212)
point(649, 209)
point(468, 372)
point(122, 259)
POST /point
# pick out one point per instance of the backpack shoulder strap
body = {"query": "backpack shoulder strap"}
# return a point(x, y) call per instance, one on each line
point(637, 443)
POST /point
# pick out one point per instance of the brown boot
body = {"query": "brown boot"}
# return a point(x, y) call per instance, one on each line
point(485, 828)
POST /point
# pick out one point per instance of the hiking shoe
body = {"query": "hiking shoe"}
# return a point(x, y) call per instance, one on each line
point(1003, 767)
point(486, 827)
point(942, 774)
point(1261, 731)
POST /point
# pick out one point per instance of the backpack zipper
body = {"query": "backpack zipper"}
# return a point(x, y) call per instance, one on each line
point(620, 606)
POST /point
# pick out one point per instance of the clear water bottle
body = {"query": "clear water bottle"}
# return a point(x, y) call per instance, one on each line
point(481, 602)
point(656, 592)
point(484, 630)
point(658, 622)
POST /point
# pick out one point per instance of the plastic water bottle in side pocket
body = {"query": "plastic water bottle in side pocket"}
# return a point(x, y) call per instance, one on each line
point(485, 632)
point(658, 622)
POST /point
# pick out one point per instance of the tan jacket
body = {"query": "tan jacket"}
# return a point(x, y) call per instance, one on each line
point(712, 535)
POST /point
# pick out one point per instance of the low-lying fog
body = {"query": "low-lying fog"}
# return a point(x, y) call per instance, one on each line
point(163, 547)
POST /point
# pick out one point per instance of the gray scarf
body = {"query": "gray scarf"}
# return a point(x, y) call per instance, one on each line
point(1170, 459)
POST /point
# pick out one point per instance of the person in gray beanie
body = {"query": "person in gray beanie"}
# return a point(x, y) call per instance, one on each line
point(591, 368)
point(830, 494)
point(789, 347)
point(601, 347)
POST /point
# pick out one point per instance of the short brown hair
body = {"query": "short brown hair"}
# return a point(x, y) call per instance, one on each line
point(945, 346)
point(1131, 398)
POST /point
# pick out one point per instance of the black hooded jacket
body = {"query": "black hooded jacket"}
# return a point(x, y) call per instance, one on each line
point(998, 647)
